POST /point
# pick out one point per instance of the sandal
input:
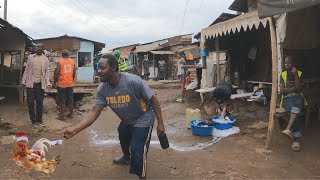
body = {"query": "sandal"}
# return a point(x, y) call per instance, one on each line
point(287, 132)
point(61, 118)
point(295, 146)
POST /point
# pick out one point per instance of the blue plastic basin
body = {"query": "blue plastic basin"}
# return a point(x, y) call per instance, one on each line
point(200, 130)
point(223, 126)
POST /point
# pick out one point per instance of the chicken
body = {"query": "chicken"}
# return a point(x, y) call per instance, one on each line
point(35, 157)
point(47, 167)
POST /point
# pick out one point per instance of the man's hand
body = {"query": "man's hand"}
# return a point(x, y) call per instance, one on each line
point(68, 132)
point(294, 71)
point(160, 129)
point(223, 113)
point(23, 85)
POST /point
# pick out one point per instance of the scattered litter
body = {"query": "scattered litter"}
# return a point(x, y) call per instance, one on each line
point(175, 172)
point(81, 150)
point(260, 136)
point(81, 110)
point(79, 164)
point(57, 142)
point(263, 151)
point(192, 85)
point(259, 125)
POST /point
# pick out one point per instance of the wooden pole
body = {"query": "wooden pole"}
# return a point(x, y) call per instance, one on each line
point(273, 104)
point(228, 69)
point(20, 89)
point(172, 67)
point(217, 58)
point(5, 9)
point(154, 68)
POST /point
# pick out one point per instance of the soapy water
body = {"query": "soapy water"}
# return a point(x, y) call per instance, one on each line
point(111, 142)
point(222, 120)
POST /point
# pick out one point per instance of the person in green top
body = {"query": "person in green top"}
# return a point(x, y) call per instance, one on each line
point(292, 101)
point(123, 67)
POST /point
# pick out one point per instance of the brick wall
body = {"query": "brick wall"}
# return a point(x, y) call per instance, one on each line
point(60, 44)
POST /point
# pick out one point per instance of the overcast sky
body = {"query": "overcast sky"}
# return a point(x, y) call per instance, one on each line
point(113, 22)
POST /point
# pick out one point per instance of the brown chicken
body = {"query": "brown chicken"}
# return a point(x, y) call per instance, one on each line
point(35, 157)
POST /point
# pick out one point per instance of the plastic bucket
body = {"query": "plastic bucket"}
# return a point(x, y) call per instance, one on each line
point(200, 130)
point(223, 126)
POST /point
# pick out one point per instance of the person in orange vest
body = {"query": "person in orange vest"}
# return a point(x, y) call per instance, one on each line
point(292, 100)
point(63, 80)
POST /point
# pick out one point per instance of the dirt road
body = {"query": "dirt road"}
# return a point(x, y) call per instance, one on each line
point(89, 155)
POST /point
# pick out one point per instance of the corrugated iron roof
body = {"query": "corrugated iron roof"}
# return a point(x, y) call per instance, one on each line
point(124, 46)
point(239, 5)
point(66, 36)
point(149, 47)
point(188, 48)
point(162, 52)
point(6, 24)
point(223, 17)
point(182, 36)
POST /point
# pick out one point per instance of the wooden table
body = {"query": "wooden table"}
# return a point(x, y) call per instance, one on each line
point(258, 82)
point(210, 90)
point(20, 91)
point(310, 82)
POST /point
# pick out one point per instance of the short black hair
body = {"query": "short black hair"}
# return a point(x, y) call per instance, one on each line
point(223, 91)
point(39, 45)
point(219, 94)
point(292, 58)
point(112, 61)
point(65, 53)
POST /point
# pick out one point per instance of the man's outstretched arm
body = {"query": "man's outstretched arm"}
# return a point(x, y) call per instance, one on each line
point(88, 120)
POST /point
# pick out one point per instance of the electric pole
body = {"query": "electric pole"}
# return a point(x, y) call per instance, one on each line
point(5, 9)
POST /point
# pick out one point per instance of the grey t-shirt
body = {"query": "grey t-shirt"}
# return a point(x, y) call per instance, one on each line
point(130, 100)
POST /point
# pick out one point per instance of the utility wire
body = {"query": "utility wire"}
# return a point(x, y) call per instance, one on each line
point(198, 12)
point(96, 18)
point(52, 5)
point(84, 22)
point(184, 15)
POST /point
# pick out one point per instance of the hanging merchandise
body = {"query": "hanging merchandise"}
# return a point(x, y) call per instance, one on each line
point(204, 54)
point(253, 53)
point(190, 57)
point(236, 78)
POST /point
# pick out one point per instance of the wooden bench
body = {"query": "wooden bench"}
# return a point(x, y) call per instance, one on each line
point(211, 89)
point(1, 100)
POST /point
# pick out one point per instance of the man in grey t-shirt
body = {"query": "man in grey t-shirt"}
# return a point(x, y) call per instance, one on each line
point(135, 104)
